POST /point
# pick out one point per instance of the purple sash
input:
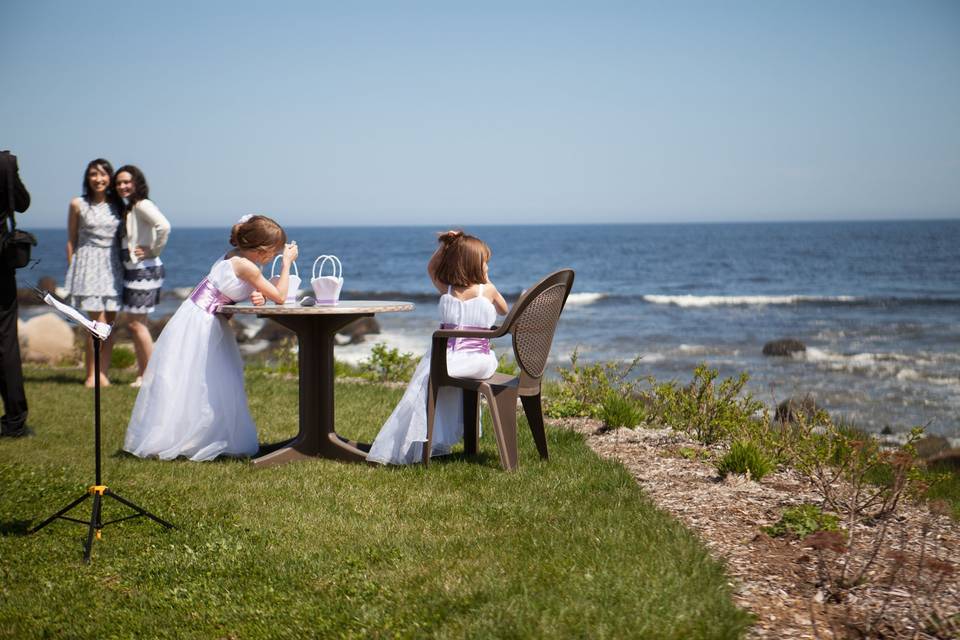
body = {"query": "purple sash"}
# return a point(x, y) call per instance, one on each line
point(208, 297)
point(471, 345)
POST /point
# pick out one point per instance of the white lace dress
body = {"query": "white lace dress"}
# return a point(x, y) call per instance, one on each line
point(402, 436)
point(94, 275)
point(192, 402)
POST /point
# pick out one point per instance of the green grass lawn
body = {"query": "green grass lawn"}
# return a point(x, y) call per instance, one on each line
point(565, 548)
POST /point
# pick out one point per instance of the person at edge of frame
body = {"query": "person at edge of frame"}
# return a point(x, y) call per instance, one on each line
point(14, 197)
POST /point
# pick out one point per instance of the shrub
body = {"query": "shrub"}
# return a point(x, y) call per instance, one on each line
point(853, 474)
point(388, 365)
point(507, 366)
point(122, 357)
point(707, 411)
point(803, 520)
point(620, 411)
point(745, 457)
point(582, 390)
point(286, 359)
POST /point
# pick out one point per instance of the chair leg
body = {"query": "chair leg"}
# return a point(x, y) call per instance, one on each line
point(431, 414)
point(503, 410)
point(471, 421)
point(533, 409)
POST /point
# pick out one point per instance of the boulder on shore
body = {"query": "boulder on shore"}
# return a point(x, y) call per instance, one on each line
point(949, 459)
point(46, 338)
point(358, 329)
point(788, 410)
point(27, 297)
point(783, 347)
point(929, 446)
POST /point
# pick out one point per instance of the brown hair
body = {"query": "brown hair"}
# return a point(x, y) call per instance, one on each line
point(259, 232)
point(462, 257)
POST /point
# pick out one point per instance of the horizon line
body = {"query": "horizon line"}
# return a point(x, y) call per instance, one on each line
point(954, 218)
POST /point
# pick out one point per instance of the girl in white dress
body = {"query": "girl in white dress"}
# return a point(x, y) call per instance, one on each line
point(192, 401)
point(468, 300)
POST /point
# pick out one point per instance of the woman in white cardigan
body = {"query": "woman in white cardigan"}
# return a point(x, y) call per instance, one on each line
point(145, 233)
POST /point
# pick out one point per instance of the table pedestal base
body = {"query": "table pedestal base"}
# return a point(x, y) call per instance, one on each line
point(317, 438)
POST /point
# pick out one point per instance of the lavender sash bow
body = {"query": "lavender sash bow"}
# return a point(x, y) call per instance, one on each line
point(471, 345)
point(208, 297)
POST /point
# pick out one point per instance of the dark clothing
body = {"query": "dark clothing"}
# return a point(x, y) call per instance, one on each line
point(13, 196)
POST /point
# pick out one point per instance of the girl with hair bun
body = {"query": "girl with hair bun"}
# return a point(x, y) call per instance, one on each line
point(192, 402)
point(468, 300)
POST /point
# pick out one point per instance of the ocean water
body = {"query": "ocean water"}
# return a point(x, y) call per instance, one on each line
point(876, 303)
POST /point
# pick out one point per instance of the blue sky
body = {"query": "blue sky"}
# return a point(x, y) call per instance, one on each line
point(459, 113)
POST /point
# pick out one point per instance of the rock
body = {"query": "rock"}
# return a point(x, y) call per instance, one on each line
point(274, 332)
point(949, 458)
point(929, 446)
point(358, 329)
point(783, 347)
point(46, 338)
point(156, 325)
point(26, 296)
point(788, 409)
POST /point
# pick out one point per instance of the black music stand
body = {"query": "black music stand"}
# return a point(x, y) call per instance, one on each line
point(98, 490)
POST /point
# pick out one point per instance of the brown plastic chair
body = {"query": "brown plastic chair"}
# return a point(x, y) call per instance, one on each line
point(532, 322)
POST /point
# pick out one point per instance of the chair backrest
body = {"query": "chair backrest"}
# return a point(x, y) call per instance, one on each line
point(533, 320)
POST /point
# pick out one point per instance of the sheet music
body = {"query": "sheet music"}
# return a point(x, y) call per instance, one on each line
point(99, 328)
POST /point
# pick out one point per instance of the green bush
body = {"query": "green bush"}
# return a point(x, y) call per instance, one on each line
point(507, 366)
point(803, 520)
point(708, 411)
point(122, 357)
point(582, 390)
point(388, 365)
point(744, 457)
point(621, 411)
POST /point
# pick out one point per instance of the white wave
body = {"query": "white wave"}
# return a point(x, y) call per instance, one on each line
point(181, 292)
point(405, 343)
point(715, 301)
point(585, 298)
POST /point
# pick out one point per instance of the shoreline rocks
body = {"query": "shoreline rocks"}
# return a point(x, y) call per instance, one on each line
point(783, 347)
point(45, 338)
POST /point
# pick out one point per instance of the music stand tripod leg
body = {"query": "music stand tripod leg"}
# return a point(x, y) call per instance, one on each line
point(60, 513)
point(95, 526)
point(139, 509)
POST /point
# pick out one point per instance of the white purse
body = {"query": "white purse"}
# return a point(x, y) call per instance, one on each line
point(293, 282)
point(326, 289)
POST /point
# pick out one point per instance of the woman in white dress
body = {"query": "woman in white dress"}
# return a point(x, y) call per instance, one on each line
point(468, 300)
point(145, 234)
point(93, 255)
point(192, 402)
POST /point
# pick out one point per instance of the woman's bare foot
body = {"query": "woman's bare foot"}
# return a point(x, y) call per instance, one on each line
point(89, 382)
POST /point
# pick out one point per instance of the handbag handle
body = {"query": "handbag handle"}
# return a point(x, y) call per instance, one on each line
point(323, 259)
point(293, 264)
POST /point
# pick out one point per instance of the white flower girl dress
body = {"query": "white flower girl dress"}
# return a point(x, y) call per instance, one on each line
point(402, 436)
point(192, 402)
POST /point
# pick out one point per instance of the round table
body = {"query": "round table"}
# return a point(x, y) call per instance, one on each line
point(315, 328)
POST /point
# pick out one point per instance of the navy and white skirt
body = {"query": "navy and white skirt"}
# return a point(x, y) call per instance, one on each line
point(142, 282)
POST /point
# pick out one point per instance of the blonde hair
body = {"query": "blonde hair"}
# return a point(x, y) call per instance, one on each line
point(462, 257)
point(258, 233)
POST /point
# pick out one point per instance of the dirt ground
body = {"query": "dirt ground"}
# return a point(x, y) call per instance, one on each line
point(777, 579)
